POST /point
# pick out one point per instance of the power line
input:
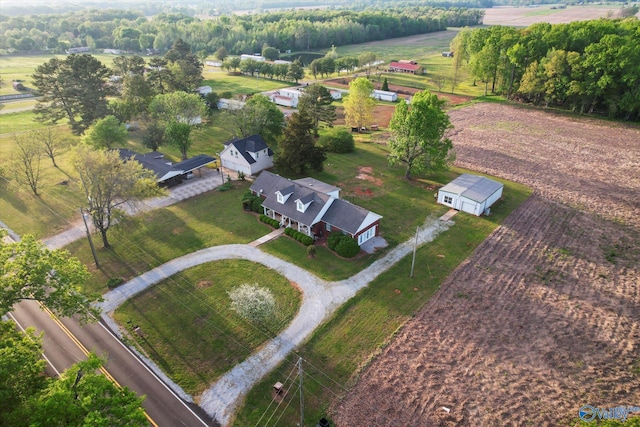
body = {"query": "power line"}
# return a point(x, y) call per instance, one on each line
point(149, 259)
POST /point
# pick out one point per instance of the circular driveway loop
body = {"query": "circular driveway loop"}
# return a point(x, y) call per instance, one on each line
point(319, 300)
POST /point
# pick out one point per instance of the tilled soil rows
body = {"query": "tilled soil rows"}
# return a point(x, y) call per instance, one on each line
point(544, 317)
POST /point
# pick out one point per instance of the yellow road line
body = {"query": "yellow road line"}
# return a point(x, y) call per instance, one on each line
point(86, 353)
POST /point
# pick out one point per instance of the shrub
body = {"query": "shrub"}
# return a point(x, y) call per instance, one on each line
point(337, 140)
point(226, 186)
point(343, 245)
point(253, 303)
point(348, 247)
point(300, 237)
point(272, 222)
point(333, 240)
point(114, 282)
point(311, 251)
point(256, 204)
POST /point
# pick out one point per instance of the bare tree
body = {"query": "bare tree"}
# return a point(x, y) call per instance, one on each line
point(25, 162)
point(51, 142)
point(108, 182)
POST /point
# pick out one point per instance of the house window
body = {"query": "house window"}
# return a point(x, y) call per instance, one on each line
point(448, 200)
point(280, 197)
point(299, 206)
point(328, 227)
point(367, 235)
point(257, 154)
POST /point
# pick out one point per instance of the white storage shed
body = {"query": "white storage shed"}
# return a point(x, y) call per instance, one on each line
point(471, 193)
point(384, 95)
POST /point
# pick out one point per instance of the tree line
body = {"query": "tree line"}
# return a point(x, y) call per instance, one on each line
point(290, 30)
point(588, 66)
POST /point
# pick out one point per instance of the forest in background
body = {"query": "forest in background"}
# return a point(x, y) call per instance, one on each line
point(131, 31)
point(584, 66)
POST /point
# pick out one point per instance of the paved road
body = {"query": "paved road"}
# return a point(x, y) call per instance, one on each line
point(61, 351)
point(162, 405)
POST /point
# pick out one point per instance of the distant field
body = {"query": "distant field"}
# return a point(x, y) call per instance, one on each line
point(525, 16)
point(418, 47)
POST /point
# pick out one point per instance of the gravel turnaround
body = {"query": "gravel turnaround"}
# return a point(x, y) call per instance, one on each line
point(320, 299)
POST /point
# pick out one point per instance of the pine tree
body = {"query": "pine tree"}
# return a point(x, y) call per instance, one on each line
point(298, 151)
point(385, 84)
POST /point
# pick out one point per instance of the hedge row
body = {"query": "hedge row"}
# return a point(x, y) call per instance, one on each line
point(300, 237)
point(343, 245)
point(272, 222)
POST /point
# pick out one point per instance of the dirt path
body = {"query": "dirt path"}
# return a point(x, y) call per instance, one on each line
point(545, 315)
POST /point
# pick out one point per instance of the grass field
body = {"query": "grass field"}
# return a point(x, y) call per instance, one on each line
point(203, 337)
point(22, 67)
point(145, 241)
point(220, 82)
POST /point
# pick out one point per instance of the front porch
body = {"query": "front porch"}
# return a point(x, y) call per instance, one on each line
point(285, 221)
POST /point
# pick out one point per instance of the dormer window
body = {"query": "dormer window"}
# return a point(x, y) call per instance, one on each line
point(280, 197)
point(299, 206)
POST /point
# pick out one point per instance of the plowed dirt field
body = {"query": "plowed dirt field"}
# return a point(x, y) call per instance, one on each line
point(544, 317)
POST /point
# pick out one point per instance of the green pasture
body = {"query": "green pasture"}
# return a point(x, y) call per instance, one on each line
point(416, 48)
point(22, 67)
point(343, 346)
point(20, 105)
point(221, 81)
point(189, 327)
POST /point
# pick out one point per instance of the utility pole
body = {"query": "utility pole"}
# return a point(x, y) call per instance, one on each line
point(415, 246)
point(301, 393)
point(86, 227)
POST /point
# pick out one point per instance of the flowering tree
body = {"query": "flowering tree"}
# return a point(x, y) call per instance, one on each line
point(253, 303)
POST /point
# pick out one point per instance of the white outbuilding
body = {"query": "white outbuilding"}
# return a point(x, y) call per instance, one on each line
point(384, 95)
point(471, 193)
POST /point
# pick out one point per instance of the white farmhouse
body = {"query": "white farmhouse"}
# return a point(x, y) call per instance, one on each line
point(248, 155)
point(471, 193)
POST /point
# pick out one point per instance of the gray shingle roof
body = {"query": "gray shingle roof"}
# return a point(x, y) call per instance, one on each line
point(316, 185)
point(161, 167)
point(474, 187)
point(345, 216)
point(250, 144)
point(341, 214)
point(194, 163)
point(154, 161)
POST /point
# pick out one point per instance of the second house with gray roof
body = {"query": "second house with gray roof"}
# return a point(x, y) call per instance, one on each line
point(248, 155)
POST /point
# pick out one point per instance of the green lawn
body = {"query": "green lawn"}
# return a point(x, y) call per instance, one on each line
point(145, 241)
point(340, 348)
point(238, 85)
point(11, 123)
point(58, 201)
point(189, 327)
